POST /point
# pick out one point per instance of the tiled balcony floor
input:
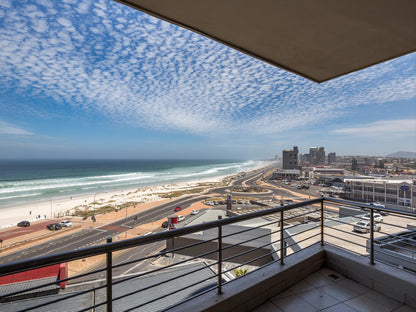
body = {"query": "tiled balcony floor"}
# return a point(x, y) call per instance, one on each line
point(328, 291)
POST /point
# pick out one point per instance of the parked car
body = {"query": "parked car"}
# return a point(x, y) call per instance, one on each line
point(65, 223)
point(181, 218)
point(165, 224)
point(240, 202)
point(377, 204)
point(23, 224)
point(364, 227)
point(194, 211)
point(54, 226)
point(178, 208)
point(221, 202)
point(247, 202)
point(215, 202)
point(377, 217)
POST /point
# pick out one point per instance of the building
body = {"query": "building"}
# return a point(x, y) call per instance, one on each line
point(393, 192)
point(332, 158)
point(290, 158)
point(304, 158)
point(321, 156)
point(257, 245)
point(286, 174)
point(313, 155)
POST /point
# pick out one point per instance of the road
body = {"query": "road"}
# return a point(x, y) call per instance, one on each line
point(90, 237)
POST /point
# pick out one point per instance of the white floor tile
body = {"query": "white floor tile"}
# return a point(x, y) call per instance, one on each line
point(340, 307)
point(339, 292)
point(294, 304)
point(318, 298)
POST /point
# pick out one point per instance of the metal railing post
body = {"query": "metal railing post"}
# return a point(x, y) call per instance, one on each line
point(282, 243)
point(219, 265)
point(372, 236)
point(322, 223)
point(109, 285)
point(93, 301)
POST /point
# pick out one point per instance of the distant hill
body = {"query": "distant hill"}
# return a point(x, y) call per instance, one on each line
point(402, 154)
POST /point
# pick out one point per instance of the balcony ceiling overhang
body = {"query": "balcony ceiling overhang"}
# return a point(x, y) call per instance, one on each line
point(319, 40)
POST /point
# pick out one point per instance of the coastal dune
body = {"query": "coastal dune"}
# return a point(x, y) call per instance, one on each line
point(64, 208)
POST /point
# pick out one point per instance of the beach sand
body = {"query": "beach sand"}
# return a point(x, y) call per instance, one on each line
point(148, 197)
point(62, 208)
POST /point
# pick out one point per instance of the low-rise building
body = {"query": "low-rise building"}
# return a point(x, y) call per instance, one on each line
point(286, 174)
point(395, 192)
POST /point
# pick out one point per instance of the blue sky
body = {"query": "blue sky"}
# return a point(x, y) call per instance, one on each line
point(83, 79)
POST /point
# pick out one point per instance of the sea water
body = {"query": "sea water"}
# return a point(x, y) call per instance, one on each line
point(31, 181)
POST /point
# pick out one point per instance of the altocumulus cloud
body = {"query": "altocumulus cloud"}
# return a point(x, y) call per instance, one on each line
point(104, 57)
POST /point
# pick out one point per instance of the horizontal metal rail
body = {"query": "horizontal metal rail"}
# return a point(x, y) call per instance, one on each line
point(109, 248)
point(24, 265)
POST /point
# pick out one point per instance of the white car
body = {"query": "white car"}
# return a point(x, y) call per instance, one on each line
point(65, 223)
point(377, 217)
point(364, 227)
point(181, 218)
point(194, 212)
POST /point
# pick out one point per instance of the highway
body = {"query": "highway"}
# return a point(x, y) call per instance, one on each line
point(94, 236)
point(90, 237)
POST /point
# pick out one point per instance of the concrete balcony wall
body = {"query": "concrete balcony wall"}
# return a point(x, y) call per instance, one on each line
point(254, 289)
point(388, 280)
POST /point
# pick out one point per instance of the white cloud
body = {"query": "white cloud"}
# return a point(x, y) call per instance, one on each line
point(9, 129)
point(382, 128)
point(139, 70)
point(64, 22)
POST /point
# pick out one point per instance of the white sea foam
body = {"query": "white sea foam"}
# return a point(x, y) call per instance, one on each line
point(18, 196)
point(39, 189)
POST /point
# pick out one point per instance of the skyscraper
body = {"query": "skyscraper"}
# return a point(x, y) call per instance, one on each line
point(317, 156)
point(332, 158)
point(321, 156)
point(313, 155)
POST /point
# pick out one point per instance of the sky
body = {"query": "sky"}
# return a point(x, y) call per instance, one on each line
point(84, 79)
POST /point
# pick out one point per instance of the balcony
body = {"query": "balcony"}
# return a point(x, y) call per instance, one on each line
point(244, 261)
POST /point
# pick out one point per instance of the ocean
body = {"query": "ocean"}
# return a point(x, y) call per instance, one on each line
point(32, 181)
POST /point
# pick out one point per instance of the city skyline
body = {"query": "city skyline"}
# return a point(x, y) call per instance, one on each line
point(101, 80)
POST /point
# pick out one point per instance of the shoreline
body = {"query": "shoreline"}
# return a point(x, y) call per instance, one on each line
point(63, 207)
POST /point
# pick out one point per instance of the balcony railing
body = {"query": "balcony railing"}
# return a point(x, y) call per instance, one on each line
point(196, 259)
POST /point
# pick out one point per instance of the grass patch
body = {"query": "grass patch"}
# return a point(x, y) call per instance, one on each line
point(180, 193)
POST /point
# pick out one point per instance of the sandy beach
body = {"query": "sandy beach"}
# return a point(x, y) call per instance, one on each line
point(64, 207)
